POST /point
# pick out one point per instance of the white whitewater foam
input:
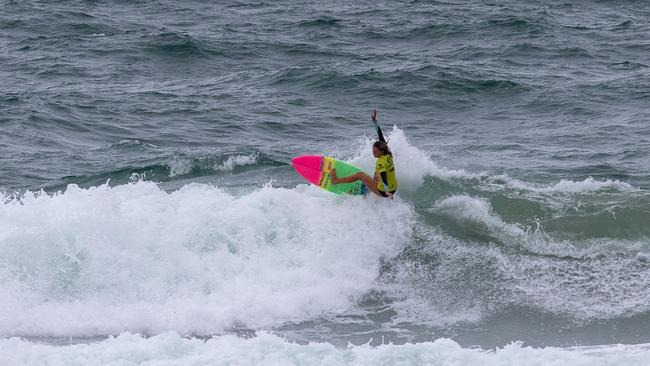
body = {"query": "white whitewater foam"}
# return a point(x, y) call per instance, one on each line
point(267, 349)
point(198, 260)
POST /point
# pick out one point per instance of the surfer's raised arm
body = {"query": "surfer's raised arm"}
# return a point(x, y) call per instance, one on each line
point(380, 135)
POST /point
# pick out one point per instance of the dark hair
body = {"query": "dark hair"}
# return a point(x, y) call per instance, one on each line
point(383, 147)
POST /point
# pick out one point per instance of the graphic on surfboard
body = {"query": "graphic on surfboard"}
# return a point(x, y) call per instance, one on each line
point(316, 170)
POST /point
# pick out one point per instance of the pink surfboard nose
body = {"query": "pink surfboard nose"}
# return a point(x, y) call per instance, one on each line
point(309, 166)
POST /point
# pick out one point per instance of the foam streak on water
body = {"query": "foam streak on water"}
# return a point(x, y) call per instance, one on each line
point(268, 349)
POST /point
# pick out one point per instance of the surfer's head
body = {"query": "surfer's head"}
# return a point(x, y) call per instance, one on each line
point(380, 148)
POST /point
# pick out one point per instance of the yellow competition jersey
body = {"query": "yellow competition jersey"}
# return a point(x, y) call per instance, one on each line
point(385, 165)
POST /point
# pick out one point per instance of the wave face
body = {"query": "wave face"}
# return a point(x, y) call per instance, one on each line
point(146, 190)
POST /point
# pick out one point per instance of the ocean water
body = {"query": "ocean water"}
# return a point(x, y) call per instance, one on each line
point(149, 214)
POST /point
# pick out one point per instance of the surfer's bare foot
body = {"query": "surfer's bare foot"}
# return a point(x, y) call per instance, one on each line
point(335, 179)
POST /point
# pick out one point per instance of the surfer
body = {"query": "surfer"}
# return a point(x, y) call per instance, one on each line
point(384, 182)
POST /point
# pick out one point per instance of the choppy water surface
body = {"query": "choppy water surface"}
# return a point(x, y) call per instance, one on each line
point(144, 165)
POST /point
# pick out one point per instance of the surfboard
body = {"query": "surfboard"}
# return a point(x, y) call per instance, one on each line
point(316, 170)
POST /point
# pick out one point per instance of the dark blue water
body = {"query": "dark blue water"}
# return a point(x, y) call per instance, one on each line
point(521, 139)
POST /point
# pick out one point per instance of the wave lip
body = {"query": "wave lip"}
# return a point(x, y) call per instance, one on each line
point(179, 166)
point(476, 216)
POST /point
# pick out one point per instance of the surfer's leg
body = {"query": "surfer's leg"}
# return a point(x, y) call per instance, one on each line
point(365, 178)
point(369, 182)
point(349, 179)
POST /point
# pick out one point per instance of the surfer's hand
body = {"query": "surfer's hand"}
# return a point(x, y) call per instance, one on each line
point(389, 195)
point(373, 115)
